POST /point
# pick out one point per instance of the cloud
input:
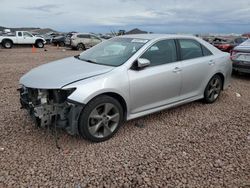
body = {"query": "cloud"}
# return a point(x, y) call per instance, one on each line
point(43, 8)
point(103, 15)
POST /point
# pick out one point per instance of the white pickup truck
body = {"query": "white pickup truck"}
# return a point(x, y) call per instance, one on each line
point(21, 37)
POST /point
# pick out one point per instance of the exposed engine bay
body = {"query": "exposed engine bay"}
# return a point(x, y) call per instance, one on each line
point(50, 107)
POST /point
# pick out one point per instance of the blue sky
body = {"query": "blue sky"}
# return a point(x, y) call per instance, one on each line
point(159, 16)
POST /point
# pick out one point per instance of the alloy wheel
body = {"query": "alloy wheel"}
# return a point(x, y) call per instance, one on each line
point(103, 120)
point(214, 89)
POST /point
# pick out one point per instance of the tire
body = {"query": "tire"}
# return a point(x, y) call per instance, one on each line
point(39, 44)
point(7, 44)
point(81, 47)
point(213, 89)
point(61, 44)
point(97, 124)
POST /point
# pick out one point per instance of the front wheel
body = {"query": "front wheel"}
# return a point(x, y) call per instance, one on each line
point(213, 89)
point(39, 44)
point(100, 119)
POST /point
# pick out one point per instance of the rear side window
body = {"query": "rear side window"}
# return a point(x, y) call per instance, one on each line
point(94, 37)
point(240, 40)
point(190, 49)
point(161, 52)
point(83, 36)
point(19, 34)
point(206, 52)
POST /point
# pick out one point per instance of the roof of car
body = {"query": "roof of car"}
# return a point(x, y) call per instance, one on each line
point(156, 36)
point(82, 33)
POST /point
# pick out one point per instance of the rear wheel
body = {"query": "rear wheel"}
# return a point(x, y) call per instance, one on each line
point(61, 43)
point(7, 44)
point(80, 47)
point(213, 89)
point(100, 119)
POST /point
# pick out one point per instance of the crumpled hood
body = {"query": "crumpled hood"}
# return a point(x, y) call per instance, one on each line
point(59, 73)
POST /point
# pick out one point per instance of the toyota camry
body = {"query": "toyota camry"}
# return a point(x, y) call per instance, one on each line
point(123, 78)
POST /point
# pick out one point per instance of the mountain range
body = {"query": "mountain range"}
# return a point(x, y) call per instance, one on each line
point(33, 29)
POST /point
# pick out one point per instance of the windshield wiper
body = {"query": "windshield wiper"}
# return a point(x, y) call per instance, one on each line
point(77, 56)
point(87, 60)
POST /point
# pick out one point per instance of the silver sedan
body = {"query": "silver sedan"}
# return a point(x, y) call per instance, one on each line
point(123, 78)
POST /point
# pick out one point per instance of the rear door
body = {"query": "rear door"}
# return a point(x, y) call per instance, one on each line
point(85, 39)
point(197, 62)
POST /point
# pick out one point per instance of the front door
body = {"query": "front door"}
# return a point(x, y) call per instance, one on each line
point(159, 83)
point(28, 38)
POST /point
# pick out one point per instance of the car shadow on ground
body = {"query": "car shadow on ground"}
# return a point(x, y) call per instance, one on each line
point(131, 127)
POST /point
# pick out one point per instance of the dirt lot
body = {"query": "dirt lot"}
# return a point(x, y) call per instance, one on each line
point(195, 145)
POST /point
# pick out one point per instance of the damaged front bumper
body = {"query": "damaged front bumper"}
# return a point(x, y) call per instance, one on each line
point(51, 107)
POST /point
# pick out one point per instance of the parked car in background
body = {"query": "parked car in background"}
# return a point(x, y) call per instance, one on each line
point(227, 45)
point(83, 41)
point(47, 38)
point(50, 35)
point(240, 56)
point(68, 37)
point(53, 34)
point(105, 36)
point(246, 35)
point(59, 40)
point(123, 78)
point(21, 37)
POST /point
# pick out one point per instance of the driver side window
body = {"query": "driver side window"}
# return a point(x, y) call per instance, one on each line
point(161, 52)
point(26, 34)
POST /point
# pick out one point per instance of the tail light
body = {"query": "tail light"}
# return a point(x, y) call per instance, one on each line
point(224, 46)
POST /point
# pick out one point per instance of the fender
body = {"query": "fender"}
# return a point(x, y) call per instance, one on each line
point(89, 88)
point(7, 39)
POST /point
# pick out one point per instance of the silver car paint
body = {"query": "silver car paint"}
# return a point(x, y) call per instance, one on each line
point(151, 89)
point(56, 74)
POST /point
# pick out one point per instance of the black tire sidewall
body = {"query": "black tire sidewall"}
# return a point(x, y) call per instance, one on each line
point(81, 47)
point(37, 44)
point(206, 99)
point(7, 41)
point(83, 119)
point(61, 44)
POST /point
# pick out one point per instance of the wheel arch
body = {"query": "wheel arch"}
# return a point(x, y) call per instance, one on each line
point(221, 75)
point(38, 40)
point(7, 39)
point(118, 97)
point(81, 43)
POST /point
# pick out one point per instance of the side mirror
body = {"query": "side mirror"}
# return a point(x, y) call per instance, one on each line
point(141, 62)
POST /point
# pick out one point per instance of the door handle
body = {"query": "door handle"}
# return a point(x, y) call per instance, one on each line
point(211, 62)
point(177, 69)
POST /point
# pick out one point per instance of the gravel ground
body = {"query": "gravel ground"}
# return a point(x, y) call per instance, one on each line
point(195, 145)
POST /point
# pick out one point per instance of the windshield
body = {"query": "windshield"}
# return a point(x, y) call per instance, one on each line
point(113, 52)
